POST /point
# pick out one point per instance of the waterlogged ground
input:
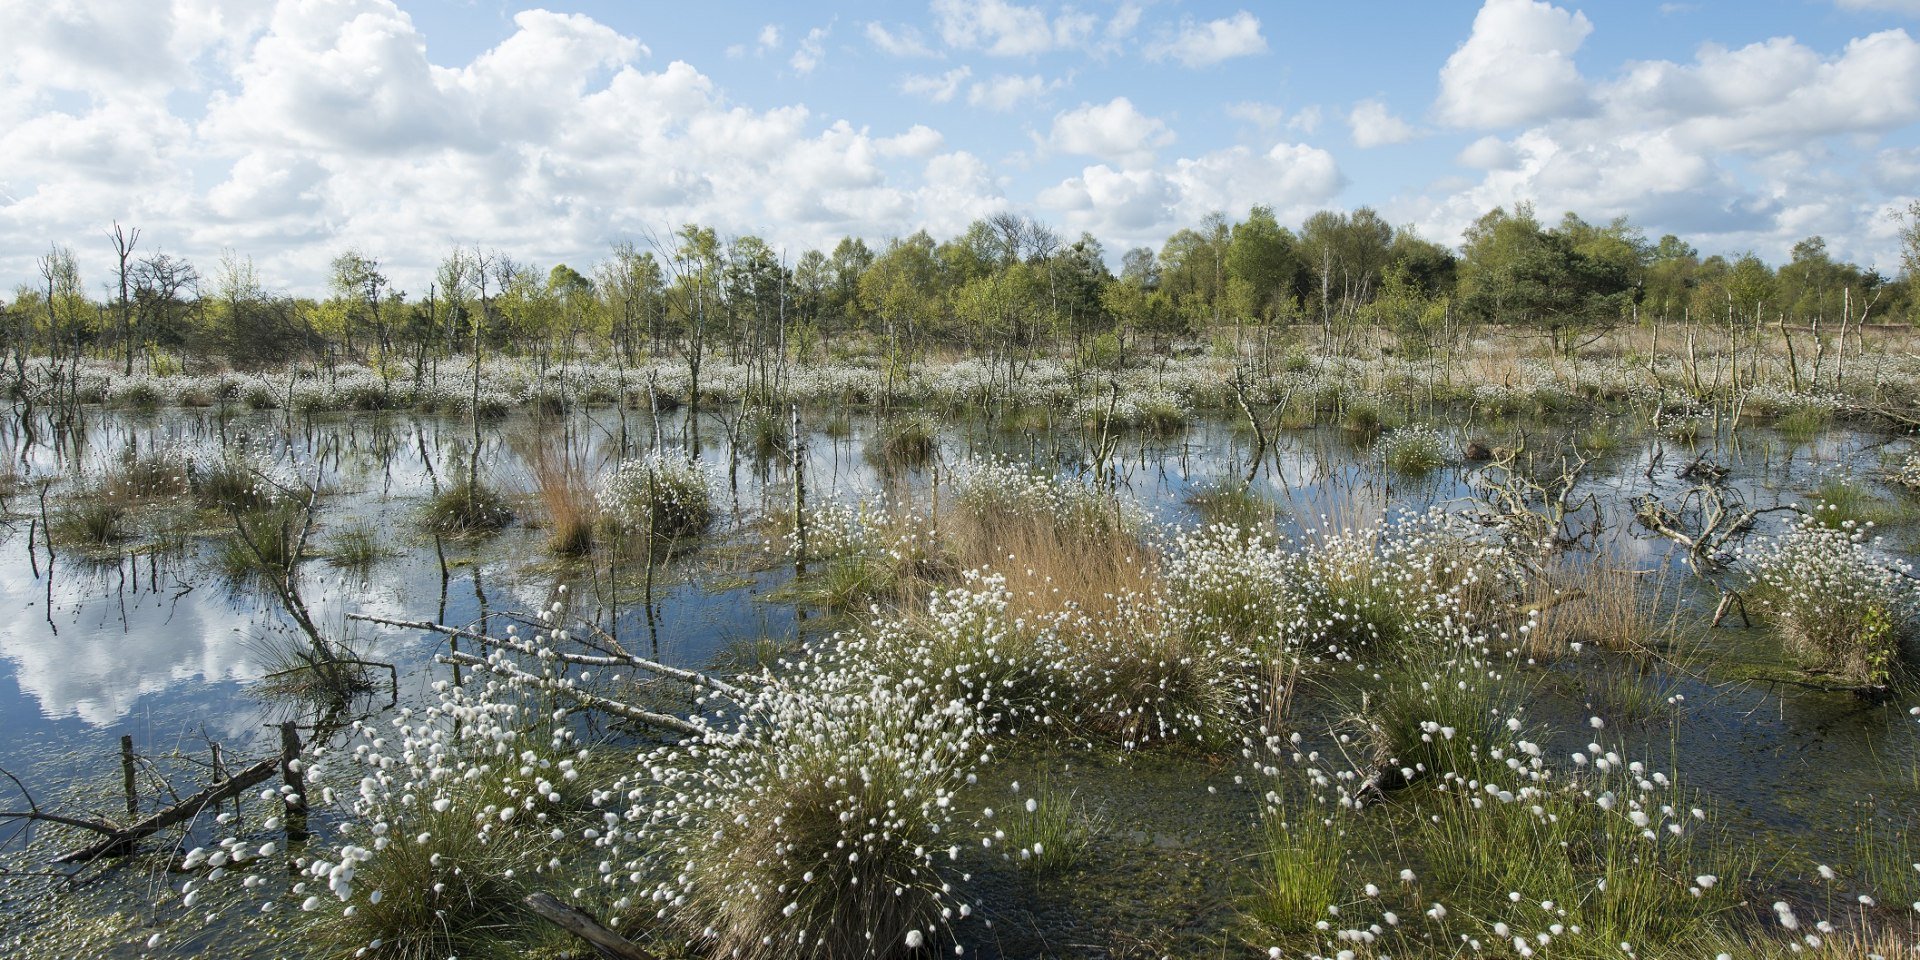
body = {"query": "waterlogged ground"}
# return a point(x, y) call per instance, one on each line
point(153, 639)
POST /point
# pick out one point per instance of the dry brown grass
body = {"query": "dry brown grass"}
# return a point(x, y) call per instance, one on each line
point(563, 488)
point(1081, 561)
point(1597, 602)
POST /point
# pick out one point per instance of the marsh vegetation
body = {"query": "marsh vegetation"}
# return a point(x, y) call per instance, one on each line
point(1343, 639)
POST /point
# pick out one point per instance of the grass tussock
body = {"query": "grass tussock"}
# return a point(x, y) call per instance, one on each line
point(1599, 602)
point(266, 542)
point(813, 830)
point(93, 518)
point(907, 440)
point(1235, 503)
point(663, 498)
point(1300, 867)
point(567, 504)
point(356, 546)
point(230, 482)
point(1842, 502)
point(1413, 451)
point(1841, 605)
point(1048, 830)
point(1061, 546)
point(467, 507)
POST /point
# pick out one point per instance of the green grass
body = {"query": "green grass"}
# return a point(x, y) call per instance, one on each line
point(94, 518)
point(906, 440)
point(1844, 500)
point(268, 548)
point(1235, 503)
point(1413, 452)
point(356, 546)
point(1047, 831)
point(1600, 438)
point(467, 508)
point(229, 483)
point(846, 584)
point(1441, 709)
point(1804, 423)
point(1301, 867)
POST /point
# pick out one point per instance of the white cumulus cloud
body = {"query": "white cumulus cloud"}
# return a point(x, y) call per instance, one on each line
point(1374, 125)
point(1515, 67)
point(1007, 91)
point(1115, 130)
point(1197, 44)
point(1003, 29)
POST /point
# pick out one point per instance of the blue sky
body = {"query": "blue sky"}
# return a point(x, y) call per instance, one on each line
point(291, 130)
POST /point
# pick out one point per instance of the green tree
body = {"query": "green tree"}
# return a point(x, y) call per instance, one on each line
point(1263, 273)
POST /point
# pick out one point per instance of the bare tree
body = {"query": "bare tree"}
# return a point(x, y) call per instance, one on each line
point(124, 240)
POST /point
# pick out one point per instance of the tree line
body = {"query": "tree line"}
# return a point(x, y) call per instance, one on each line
point(1008, 287)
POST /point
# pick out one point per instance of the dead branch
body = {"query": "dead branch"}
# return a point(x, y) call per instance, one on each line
point(121, 839)
point(618, 657)
point(581, 924)
point(508, 671)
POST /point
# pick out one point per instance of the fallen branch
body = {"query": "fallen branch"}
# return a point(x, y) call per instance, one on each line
point(578, 922)
point(508, 671)
point(121, 839)
point(620, 659)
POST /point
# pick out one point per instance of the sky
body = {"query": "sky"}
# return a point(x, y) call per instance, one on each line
point(291, 130)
